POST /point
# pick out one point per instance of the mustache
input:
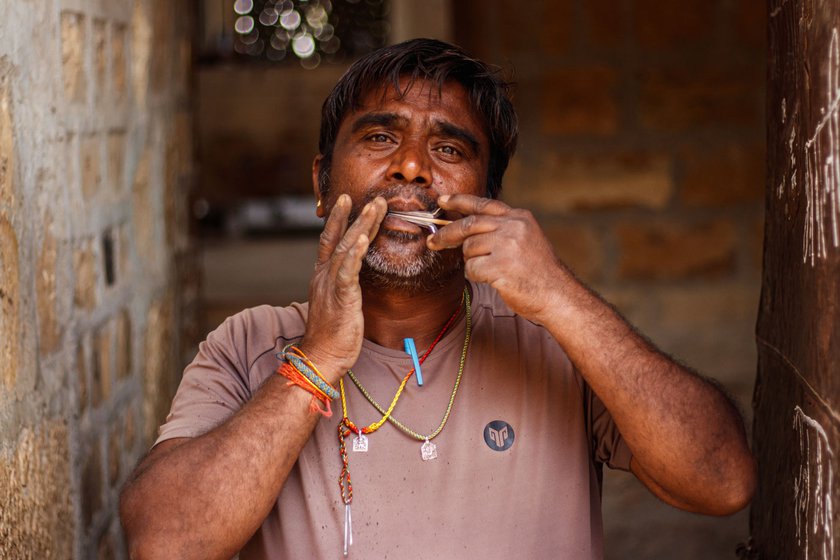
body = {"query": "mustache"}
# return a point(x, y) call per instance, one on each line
point(406, 192)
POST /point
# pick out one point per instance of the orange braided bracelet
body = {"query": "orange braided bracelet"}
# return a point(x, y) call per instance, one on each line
point(295, 377)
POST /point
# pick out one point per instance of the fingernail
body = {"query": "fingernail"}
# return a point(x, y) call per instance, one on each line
point(443, 199)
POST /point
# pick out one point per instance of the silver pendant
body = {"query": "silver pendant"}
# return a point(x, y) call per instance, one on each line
point(428, 450)
point(360, 444)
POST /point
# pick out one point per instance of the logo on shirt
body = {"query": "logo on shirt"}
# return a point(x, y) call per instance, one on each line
point(498, 435)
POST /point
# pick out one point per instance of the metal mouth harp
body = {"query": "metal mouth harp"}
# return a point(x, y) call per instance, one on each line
point(427, 220)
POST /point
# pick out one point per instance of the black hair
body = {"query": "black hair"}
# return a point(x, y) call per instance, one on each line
point(438, 62)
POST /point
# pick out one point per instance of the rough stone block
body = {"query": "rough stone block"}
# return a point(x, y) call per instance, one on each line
point(119, 64)
point(101, 390)
point(92, 483)
point(91, 165)
point(158, 386)
point(183, 141)
point(82, 377)
point(130, 430)
point(723, 174)
point(73, 55)
point(100, 58)
point(116, 161)
point(567, 182)
point(676, 250)
point(105, 548)
point(7, 141)
point(45, 289)
point(122, 344)
point(673, 25)
point(123, 251)
point(174, 202)
point(145, 220)
point(10, 329)
point(577, 246)
point(84, 265)
point(114, 453)
point(692, 96)
point(579, 100)
point(36, 517)
point(141, 48)
point(162, 63)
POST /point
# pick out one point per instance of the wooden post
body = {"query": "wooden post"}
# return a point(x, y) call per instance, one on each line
point(797, 392)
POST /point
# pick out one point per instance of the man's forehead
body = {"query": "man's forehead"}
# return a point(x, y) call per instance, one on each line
point(449, 96)
point(448, 104)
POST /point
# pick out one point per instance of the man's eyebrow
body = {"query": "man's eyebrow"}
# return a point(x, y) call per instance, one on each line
point(377, 119)
point(453, 131)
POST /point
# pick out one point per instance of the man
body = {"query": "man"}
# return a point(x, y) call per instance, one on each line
point(508, 405)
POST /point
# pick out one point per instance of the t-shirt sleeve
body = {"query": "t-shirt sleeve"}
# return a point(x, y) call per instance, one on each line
point(214, 386)
point(608, 446)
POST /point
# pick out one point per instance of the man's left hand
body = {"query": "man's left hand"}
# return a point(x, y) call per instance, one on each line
point(503, 247)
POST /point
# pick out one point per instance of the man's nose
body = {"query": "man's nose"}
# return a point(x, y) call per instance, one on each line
point(411, 164)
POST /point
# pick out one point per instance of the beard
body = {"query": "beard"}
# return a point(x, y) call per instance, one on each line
point(393, 259)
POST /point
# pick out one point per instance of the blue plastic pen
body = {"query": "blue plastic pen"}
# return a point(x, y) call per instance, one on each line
point(412, 351)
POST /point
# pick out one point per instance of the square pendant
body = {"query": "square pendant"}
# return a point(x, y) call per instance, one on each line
point(360, 444)
point(428, 450)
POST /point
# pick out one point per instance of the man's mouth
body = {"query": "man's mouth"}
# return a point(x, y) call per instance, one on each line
point(395, 223)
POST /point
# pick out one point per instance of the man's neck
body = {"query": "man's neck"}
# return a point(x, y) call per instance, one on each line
point(394, 314)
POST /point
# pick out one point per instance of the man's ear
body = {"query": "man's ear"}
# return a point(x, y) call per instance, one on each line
point(319, 204)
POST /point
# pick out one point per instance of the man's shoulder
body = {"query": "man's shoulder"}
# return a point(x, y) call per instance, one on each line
point(264, 323)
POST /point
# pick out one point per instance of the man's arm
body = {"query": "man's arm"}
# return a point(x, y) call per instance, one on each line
point(687, 439)
point(204, 497)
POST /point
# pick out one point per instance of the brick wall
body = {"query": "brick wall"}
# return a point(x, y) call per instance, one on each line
point(642, 154)
point(96, 283)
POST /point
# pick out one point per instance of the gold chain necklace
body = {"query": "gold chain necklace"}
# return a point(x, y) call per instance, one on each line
point(428, 450)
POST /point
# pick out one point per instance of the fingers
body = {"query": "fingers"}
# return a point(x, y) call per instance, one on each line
point(334, 229)
point(367, 224)
point(456, 233)
point(337, 231)
point(483, 215)
point(468, 204)
point(348, 271)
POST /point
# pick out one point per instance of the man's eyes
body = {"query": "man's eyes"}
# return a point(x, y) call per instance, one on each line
point(384, 138)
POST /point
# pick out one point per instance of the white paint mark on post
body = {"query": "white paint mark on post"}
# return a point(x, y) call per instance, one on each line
point(822, 175)
point(812, 491)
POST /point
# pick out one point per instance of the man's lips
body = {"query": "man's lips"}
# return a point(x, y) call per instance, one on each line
point(395, 223)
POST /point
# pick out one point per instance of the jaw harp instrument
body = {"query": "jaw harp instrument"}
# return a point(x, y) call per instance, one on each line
point(427, 220)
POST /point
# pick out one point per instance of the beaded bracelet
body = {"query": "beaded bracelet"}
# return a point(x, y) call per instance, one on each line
point(306, 368)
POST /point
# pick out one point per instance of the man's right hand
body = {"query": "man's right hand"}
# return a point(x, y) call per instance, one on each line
point(335, 327)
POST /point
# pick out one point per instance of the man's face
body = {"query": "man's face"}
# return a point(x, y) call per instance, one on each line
point(408, 150)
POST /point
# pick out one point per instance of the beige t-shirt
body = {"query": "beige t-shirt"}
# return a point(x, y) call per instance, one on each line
point(518, 467)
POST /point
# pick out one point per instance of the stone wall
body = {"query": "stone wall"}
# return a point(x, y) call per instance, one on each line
point(643, 154)
point(95, 164)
